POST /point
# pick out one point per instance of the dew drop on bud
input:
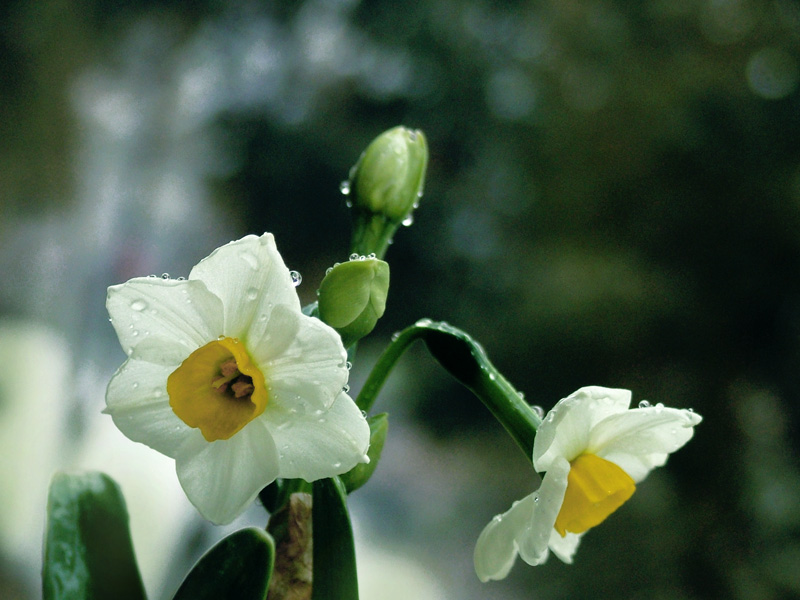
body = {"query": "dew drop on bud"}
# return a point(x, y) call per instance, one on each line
point(344, 187)
point(165, 276)
point(409, 220)
point(644, 404)
point(538, 410)
point(354, 256)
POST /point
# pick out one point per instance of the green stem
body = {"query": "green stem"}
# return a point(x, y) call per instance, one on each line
point(466, 360)
point(372, 233)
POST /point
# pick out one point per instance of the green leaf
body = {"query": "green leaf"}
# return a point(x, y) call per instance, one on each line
point(238, 568)
point(335, 576)
point(88, 552)
point(360, 474)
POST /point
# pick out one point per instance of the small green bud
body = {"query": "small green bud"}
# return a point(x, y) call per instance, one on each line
point(360, 474)
point(389, 177)
point(352, 297)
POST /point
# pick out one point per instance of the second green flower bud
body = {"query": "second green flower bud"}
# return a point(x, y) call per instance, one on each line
point(389, 176)
point(352, 297)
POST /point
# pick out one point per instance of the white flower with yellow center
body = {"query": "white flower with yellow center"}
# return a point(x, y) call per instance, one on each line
point(228, 377)
point(593, 450)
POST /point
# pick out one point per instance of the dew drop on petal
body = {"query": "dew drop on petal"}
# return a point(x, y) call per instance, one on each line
point(250, 259)
point(297, 279)
point(336, 465)
point(138, 305)
point(165, 276)
point(364, 414)
point(349, 365)
point(181, 279)
point(346, 388)
point(644, 404)
point(135, 385)
point(659, 407)
point(252, 293)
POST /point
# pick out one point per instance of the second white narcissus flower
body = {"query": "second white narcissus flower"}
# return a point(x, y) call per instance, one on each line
point(594, 449)
point(228, 377)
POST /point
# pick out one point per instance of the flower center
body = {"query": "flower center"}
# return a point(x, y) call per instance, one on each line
point(217, 389)
point(595, 489)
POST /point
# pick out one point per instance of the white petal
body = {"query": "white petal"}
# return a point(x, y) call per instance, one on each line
point(566, 428)
point(496, 548)
point(535, 540)
point(640, 439)
point(311, 369)
point(564, 548)
point(250, 278)
point(319, 443)
point(222, 478)
point(137, 401)
point(163, 320)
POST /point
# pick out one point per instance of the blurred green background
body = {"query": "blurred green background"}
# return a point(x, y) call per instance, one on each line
point(613, 198)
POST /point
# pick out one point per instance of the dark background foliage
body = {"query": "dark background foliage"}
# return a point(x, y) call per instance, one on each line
point(613, 198)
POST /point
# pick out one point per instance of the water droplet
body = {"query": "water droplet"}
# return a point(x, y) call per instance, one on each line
point(424, 323)
point(250, 259)
point(659, 407)
point(644, 404)
point(344, 187)
point(409, 220)
point(165, 276)
point(348, 203)
point(220, 337)
point(364, 414)
point(354, 256)
point(328, 270)
point(152, 276)
point(345, 388)
point(395, 336)
point(135, 333)
point(372, 256)
point(135, 385)
point(412, 135)
point(297, 279)
point(157, 393)
point(538, 410)
point(138, 305)
point(337, 465)
point(349, 365)
point(252, 293)
point(262, 318)
point(181, 279)
point(536, 498)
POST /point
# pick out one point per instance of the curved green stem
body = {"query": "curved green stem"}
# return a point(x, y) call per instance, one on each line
point(466, 360)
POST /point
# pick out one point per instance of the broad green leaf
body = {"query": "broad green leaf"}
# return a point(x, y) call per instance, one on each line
point(88, 554)
point(238, 568)
point(335, 576)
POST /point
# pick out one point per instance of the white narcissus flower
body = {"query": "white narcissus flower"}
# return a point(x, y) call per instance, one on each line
point(594, 449)
point(228, 377)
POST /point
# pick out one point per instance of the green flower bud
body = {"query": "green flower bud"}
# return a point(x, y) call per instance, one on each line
point(385, 187)
point(389, 176)
point(360, 474)
point(352, 297)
